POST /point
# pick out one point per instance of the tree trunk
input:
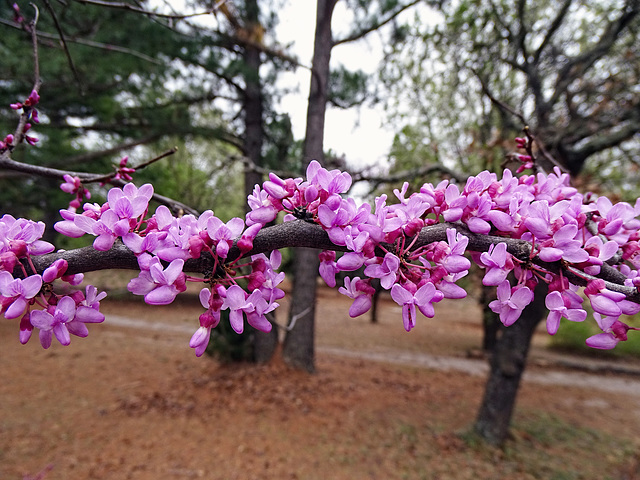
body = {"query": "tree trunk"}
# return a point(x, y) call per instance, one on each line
point(491, 325)
point(299, 348)
point(264, 344)
point(507, 363)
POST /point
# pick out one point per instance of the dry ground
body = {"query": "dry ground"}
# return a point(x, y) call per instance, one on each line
point(136, 403)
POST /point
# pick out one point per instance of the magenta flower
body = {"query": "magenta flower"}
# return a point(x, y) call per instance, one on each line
point(106, 229)
point(510, 302)
point(566, 304)
point(361, 292)
point(498, 263)
point(159, 286)
point(208, 320)
point(563, 246)
point(224, 233)
point(262, 210)
point(424, 298)
point(58, 320)
point(328, 268)
point(603, 300)
point(386, 271)
point(131, 201)
point(17, 293)
point(253, 305)
point(613, 331)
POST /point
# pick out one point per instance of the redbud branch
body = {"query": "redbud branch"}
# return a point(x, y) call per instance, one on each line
point(300, 233)
point(8, 163)
point(21, 129)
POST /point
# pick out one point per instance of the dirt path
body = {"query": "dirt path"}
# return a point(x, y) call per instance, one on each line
point(548, 375)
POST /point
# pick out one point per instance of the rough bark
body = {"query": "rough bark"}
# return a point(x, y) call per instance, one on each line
point(507, 365)
point(299, 348)
point(264, 344)
point(490, 320)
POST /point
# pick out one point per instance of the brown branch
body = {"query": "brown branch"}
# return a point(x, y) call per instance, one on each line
point(176, 206)
point(410, 174)
point(299, 233)
point(21, 131)
point(86, 157)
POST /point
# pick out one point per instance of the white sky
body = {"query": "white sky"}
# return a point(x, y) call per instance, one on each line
point(356, 134)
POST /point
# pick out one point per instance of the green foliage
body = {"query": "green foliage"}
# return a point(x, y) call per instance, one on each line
point(571, 337)
point(569, 68)
point(228, 346)
point(347, 89)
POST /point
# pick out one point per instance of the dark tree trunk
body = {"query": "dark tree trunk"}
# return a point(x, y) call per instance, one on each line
point(299, 348)
point(264, 344)
point(507, 364)
point(490, 320)
point(375, 300)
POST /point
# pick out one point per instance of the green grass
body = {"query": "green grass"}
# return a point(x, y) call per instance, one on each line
point(572, 335)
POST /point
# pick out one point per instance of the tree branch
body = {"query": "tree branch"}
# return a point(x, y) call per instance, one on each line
point(150, 13)
point(374, 25)
point(299, 233)
point(8, 163)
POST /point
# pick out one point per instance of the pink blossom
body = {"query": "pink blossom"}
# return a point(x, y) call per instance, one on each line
point(511, 302)
point(613, 331)
point(159, 286)
point(566, 304)
point(423, 298)
point(17, 293)
point(498, 263)
point(386, 271)
point(361, 292)
point(58, 320)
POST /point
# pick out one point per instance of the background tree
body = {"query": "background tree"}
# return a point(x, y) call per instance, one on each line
point(569, 71)
point(343, 89)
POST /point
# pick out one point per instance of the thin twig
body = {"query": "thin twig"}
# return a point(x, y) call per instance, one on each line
point(76, 75)
point(150, 13)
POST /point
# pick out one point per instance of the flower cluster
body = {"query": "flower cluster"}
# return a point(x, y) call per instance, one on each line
point(163, 243)
point(566, 233)
point(571, 241)
point(30, 296)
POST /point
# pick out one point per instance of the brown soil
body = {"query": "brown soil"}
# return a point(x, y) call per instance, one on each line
point(136, 403)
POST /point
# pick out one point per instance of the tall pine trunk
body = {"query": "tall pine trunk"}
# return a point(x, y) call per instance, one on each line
point(299, 344)
point(507, 365)
point(264, 344)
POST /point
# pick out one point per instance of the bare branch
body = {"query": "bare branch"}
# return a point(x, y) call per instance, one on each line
point(64, 46)
point(7, 163)
point(151, 13)
point(410, 174)
point(553, 28)
point(88, 43)
point(375, 25)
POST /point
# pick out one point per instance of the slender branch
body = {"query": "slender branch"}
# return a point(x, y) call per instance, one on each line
point(86, 157)
point(133, 8)
point(76, 75)
point(8, 163)
point(553, 28)
point(88, 43)
point(21, 129)
point(375, 25)
point(408, 175)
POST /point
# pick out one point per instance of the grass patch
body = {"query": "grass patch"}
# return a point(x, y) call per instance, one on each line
point(544, 446)
point(572, 335)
